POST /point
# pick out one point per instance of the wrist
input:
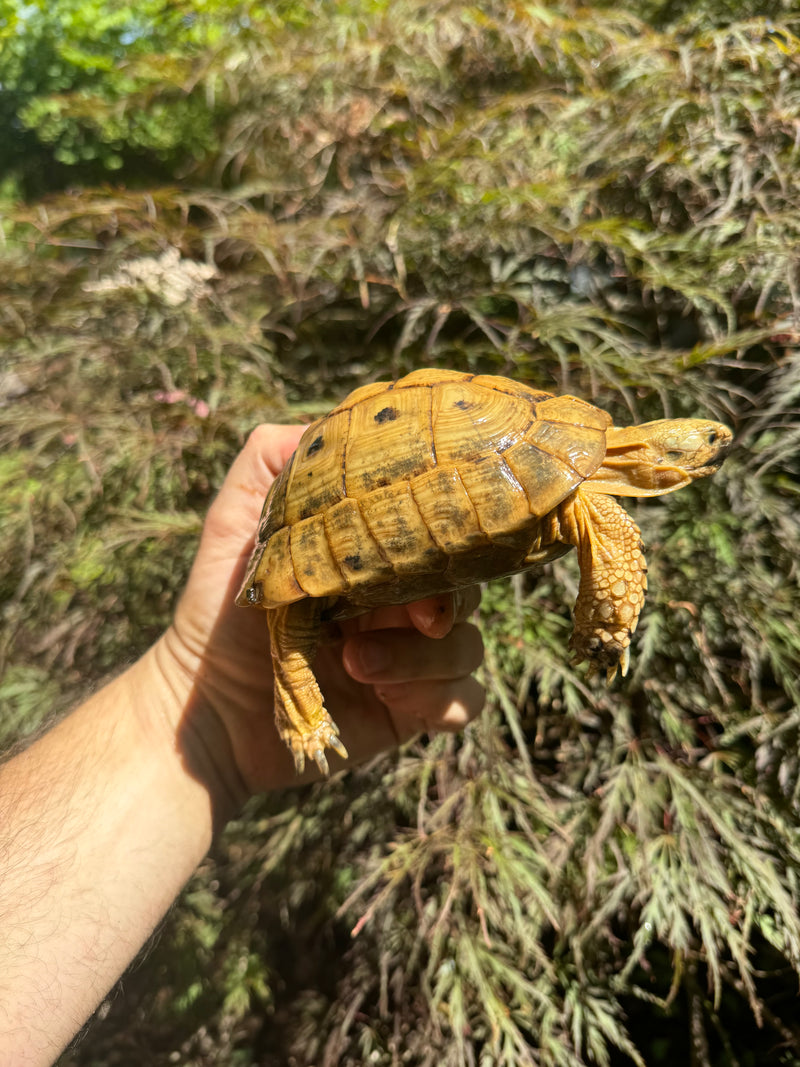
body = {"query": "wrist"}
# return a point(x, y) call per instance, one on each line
point(185, 724)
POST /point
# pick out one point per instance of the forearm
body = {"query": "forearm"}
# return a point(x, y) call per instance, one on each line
point(101, 823)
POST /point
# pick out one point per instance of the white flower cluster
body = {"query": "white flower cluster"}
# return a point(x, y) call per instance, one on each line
point(172, 279)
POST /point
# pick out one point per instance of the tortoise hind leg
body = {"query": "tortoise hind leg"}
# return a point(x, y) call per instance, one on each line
point(300, 716)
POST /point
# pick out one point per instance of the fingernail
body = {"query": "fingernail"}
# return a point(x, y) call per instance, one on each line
point(437, 618)
point(374, 656)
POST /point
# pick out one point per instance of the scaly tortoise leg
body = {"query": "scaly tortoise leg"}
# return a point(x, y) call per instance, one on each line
point(613, 579)
point(300, 716)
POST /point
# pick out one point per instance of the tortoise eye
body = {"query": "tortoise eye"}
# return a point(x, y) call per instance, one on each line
point(712, 437)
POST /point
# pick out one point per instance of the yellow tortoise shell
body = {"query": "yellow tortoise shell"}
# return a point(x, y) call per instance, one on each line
point(415, 487)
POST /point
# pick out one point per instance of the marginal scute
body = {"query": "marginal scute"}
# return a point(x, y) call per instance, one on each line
point(273, 514)
point(276, 572)
point(498, 384)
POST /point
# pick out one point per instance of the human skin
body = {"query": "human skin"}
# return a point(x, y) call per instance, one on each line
point(105, 817)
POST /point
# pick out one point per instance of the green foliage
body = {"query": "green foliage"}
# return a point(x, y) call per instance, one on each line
point(568, 196)
point(90, 88)
point(27, 696)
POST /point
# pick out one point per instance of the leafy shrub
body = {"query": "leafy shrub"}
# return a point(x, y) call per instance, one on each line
point(568, 196)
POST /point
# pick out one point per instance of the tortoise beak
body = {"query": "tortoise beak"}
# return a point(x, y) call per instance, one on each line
point(713, 465)
point(725, 448)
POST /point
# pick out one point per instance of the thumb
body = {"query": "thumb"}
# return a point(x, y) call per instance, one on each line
point(233, 516)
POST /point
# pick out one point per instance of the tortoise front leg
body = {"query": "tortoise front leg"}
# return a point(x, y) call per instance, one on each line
point(613, 579)
point(300, 716)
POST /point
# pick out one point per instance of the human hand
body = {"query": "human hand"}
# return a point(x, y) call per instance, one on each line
point(391, 673)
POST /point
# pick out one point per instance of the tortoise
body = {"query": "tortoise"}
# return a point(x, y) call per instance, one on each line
point(440, 480)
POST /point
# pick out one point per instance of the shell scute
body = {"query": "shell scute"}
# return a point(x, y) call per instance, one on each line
point(275, 572)
point(546, 479)
point(573, 411)
point(317, 475)
point(352, 546)
point(441, 474)
point(273, 514)
point(395, 522)
point(447, 510)
point(471, 420)
point(509, 387)
point(390, 440)
point(429, 376)
point(499, 500)
point(578, 446)
point(315, 569)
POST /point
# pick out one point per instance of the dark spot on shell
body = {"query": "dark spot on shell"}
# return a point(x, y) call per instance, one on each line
point(383, 481)
point(355, 563)
point(315, 446)
point(386, 415)
point(465, 405)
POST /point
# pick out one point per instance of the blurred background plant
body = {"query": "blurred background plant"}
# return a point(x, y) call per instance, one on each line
point(216, 214)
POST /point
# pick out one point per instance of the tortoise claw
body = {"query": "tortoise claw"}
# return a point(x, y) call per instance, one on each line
point(321, 762)
point(335, 743)
point(299, 759)
point(622, 665)
point(318, 755)
point(625, 660)
point(313, 747)
point(612, 659)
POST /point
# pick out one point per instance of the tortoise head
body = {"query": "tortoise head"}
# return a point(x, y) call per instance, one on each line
point(658, 457)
